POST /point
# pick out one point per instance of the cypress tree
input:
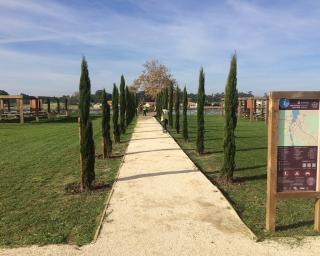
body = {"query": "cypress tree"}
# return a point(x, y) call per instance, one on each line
point(106, 138)
point(185, 120)
point(170, 105)
point(230, 107)
point(9, 105)
point(58, 105)
point(158, 105)
point(66, 104)
point(159, 108)
point(122, 105)
point(128, 106)
point(89, 159)
point(200, 114)
point(115, 114)
point(135, 104)
point(165, 92)
point(87, 149)
point(177, 110)
point(48, 104)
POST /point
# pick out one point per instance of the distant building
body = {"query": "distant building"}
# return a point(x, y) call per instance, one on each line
point(97, 106)
point(192, 104)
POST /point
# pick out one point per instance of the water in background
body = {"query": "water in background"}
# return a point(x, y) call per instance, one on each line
point(210, 112)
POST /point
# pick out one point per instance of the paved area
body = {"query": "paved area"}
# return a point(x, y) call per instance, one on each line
point(162, 205)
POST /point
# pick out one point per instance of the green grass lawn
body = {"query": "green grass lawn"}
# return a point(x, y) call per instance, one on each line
point(248, 193)
point(37, 161)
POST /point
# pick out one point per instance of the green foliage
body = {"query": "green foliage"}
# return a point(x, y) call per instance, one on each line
point(3, 92)
point(200, 114)
point(177, 110)
point(66, 103)
point(158, 105)
point(115, 114)
point(170, 105)
point(107, 142)
point(84, 93)
point(122, 105)
point(165, 98)
point(185, 120)
point(58, 105)
point(128, 103)
point(130, 106)
point(48, 104)
point(86, 139)
point(230, 107)
point(98, 96)
point(88, 151)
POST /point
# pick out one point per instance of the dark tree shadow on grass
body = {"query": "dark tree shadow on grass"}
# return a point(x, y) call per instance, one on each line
point(250, 137)
point(294, 225)
point(250, 178)
point(100, 156)
point(250, 149)
point(251, 167)
point(208, 152)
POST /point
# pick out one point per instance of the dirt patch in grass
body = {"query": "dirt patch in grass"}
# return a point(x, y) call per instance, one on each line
point(74, 188)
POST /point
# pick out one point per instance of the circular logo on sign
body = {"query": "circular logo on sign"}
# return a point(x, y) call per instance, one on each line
point(311, 181)
point(284, 103)
point(314, 104)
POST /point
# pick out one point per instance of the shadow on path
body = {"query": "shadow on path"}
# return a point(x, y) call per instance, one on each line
point(148, 131)
point(153, 138)
point(152, 150)
point(155, 174)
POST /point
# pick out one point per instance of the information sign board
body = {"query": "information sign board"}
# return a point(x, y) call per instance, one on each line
point(293, 150)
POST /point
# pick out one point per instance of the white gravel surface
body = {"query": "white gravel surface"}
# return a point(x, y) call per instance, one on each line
point(163, 205)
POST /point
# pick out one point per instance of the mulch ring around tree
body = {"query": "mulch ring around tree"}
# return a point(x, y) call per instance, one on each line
point(74, 188)
point(220, 181)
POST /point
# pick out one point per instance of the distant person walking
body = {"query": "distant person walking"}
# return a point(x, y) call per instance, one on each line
point(164, 120)
point(145, 110)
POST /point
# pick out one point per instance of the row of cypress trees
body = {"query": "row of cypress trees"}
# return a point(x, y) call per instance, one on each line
point(230, 122)
point(128, 105)
point(164, 100)
point(87, 145)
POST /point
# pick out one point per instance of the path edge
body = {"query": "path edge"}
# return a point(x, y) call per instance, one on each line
point(252, 235)
point(107, 202)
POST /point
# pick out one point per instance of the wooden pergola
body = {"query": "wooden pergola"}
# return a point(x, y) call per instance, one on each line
point(19, 102)
point(248, 107)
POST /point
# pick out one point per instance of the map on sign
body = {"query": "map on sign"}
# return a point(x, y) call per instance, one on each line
point(298, 131)
point(298, 128)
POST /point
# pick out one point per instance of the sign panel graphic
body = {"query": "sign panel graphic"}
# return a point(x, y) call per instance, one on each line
point(298, 144)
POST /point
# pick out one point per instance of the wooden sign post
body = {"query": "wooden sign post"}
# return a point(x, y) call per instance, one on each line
point(293, 151)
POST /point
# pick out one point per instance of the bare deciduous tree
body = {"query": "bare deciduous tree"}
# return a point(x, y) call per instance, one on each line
point(154, 78)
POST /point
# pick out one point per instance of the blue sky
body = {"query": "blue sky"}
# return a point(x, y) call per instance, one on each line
point(42, 42)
